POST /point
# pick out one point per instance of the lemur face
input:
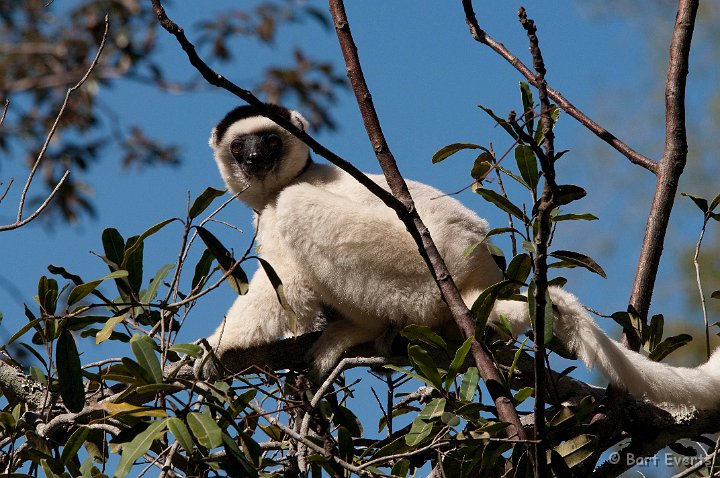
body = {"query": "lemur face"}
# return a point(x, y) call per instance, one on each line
point(257, 153)
point(256, 157)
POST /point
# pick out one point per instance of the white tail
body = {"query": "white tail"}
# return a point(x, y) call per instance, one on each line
point(643, 378)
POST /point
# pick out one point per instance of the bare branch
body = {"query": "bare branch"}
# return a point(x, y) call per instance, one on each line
point(672, 163)
point(19, 221)
point(696, 263)
point(416, 227)
point(309, 443)
point(481, 36)
point(548, 202)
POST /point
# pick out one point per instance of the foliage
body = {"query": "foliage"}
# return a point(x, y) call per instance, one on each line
point(47, 47)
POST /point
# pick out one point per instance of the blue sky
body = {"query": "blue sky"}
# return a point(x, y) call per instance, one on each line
point(427, 77)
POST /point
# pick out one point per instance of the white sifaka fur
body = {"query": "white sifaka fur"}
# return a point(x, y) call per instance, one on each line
point(340, 252)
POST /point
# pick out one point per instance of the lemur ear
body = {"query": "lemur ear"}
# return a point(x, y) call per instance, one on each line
point(299, 121)
point(212, 142)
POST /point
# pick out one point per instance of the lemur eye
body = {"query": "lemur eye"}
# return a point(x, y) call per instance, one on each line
point(236, 146)
point(273, 141)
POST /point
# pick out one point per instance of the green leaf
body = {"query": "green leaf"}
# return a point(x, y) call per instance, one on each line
point(345, 444)
point(699, 202)
point(192, 350)
point(514, 176)
point(522, 395)
point(108, 328)
point(481, 167)
point(469, 384)
point(280, 293)
point(568, 193)
point(458, 360)
point(581, 260)
point(152, 289)
point(519, 268)
point(137, 241)
point(408, 373)
point(80, 291)
point(69, 372)
point(502, 202)
point(138, 446)
point(558, 466)
point(180, 432)
point(143, 347)
point(237, 458)
point(425, 365)
point(424, 334)
point(401, 468)
point(113, 245)
point(528, 107)
point(540, 134)
point(419, 431)
point(668, 346)
point(204, 428)
point(133, 263)
point(574, 217)
point(73, 444)
point(237, 279)
point(656, 331)
point(577, 449)
point(714, 203)
point(48, 465)
point(503, 123)
point(203, 201)
point(496, 254)
point(48, 295)
point(202, 268)
point(450, 149)
point(483, 305)
point(21, 332)
point(516, 357)
point(527, 165)
point(434, 409)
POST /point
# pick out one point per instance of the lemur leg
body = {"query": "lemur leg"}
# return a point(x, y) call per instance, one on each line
point(337, 338)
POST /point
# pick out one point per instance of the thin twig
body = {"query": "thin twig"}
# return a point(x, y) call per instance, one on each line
point(308, 443)
point(699, 286)
point(481, 36)
point(53, 128)
point(346, 363)
point(6, 106)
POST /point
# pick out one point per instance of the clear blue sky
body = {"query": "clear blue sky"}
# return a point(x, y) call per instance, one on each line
point(427, 76)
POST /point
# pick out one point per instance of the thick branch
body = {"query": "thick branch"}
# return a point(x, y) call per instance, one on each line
point(417, 228)
point(18, 387)
point(481, 36)
point(673, 159)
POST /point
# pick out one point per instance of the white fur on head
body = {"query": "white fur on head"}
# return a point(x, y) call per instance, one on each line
point(295, 154)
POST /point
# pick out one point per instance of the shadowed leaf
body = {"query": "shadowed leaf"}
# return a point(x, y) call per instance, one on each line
point(69, 372)
point(577, 259)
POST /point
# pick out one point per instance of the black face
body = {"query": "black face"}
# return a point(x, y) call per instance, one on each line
point(257, 153)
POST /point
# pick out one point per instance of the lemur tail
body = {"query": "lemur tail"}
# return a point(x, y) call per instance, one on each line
point(643, 378)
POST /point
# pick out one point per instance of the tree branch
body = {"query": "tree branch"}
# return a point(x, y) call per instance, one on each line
point(547, 203)
point(19, 221)
point(426, 246)
point(481, 36)
point(672, 163)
